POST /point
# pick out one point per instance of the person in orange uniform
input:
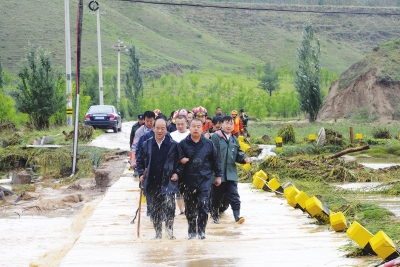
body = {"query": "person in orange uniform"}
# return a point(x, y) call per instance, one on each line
point(238, 125)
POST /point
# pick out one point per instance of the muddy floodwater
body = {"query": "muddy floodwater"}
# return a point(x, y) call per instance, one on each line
point(274, 233)
point(24, 238)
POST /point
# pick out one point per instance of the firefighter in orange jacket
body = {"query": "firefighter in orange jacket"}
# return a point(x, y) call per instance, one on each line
point(238, 125)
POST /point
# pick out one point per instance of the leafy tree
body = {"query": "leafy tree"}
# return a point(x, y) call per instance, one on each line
point(247, 69)
point(7, 110)
point(1, 76)
point(269, 81)
point(308, 73)
point(133, 82)
point(194, 80)
point(259, 70)
point(91, 82)
point(37, 93)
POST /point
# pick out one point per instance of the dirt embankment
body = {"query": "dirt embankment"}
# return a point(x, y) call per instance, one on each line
point(366, 91)
point(48, 197)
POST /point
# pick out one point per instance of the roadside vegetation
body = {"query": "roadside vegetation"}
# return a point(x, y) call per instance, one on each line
point(304, 164)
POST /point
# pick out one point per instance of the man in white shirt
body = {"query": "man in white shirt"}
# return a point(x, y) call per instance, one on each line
point(182, 130)
point(178, 135)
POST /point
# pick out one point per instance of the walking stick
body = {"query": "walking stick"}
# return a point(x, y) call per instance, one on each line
point(139, 209)
point(140, 203)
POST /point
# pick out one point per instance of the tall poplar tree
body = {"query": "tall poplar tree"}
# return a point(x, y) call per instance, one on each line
point(133, 82)
point(1, 76)
point(308, 73)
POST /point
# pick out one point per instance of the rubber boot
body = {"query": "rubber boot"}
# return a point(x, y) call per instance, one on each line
point(202, 223)
point(215, 215)
point(192, 229)
point(238, 219)
point(170, 229)
point(158, 229)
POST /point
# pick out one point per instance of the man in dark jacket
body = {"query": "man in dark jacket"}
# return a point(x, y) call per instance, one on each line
point(158, 159)
point(244, 119)
point(135, 127)
point(200, 161)
point(229, 153)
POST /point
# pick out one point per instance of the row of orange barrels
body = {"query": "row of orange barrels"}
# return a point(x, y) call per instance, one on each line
point(379, 244)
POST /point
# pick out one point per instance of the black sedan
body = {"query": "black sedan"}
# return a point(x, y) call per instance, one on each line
point(104, 117)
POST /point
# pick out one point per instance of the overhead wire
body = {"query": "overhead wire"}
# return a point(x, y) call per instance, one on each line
point(248, 8)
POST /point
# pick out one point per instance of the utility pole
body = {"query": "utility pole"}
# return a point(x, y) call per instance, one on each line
point(68, 63)
point(118, 47)
point(99, 56)
point(94, 6)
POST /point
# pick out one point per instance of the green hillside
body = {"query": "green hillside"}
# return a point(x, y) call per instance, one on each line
point(385, 58)
point(204, 38)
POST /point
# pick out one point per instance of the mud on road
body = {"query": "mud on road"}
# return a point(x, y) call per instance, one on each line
point(51, 198)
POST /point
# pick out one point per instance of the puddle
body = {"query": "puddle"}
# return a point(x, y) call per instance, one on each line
point(374, 163)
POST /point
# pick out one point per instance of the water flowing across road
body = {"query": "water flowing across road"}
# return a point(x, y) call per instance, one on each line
point(274, 234)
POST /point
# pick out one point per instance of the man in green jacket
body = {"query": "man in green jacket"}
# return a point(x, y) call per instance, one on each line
point(229, 151)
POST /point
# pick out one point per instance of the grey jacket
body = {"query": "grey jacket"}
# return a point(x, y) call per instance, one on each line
point(229, 153)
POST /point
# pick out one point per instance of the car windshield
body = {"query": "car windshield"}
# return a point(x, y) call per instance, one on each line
point(100, 109)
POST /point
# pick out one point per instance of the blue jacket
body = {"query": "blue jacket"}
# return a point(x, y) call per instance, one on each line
point(199, 171)
point(144, 160)
point(143, 138)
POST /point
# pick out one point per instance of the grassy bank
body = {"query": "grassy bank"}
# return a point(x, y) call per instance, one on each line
point(306, 166)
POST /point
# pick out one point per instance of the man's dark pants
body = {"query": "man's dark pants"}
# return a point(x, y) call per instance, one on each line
point(162, 208)
point(196, 210)
point(229, 188)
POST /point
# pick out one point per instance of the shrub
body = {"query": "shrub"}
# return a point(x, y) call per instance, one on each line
point(381, 133)
point(287, 134)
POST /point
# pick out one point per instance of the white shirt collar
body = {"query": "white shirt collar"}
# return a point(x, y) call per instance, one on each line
point(159, 144)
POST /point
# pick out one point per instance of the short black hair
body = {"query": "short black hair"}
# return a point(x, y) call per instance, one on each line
point(241, 110)
point(217, 108)
point(196, 119)
point(181, 117)
point(217, 120)
point(149, 114)
point(227, 118)
point(160, 115)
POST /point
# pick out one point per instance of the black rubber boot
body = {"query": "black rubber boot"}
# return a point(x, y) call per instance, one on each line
point(169, 229)
point(192, 229)
point(238, 219)
point(158, 229)
point(215, 215)
point(202, 223)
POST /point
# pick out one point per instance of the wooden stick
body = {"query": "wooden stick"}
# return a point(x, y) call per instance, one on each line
point(140, 202)
point(139, 209)
point(349, 150)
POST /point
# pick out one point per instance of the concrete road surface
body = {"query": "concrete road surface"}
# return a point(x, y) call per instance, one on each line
point(274, 234)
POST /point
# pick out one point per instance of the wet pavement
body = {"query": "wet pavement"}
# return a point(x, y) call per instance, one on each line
point(273, 234)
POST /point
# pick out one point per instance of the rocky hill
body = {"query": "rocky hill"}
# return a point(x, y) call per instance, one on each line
point(372, 85)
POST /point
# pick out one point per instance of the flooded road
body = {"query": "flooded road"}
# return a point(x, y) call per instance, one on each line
point(113, 140)
point(25, 238)
point(274, 234)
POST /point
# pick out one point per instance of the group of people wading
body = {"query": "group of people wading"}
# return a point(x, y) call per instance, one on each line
point(188, 156)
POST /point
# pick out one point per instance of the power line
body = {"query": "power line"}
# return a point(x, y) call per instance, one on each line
point(203, 5)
